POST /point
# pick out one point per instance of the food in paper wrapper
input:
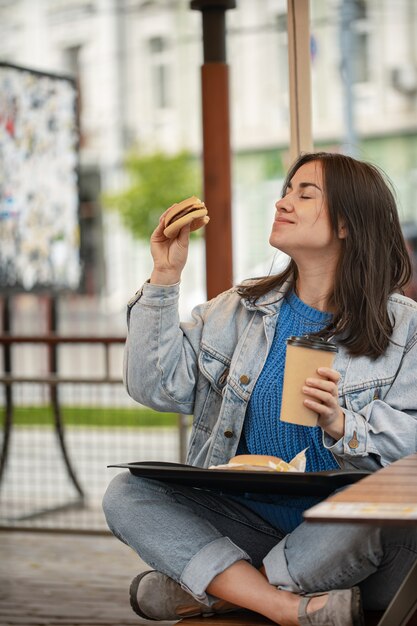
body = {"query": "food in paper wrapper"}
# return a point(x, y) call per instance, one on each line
point(265, 463)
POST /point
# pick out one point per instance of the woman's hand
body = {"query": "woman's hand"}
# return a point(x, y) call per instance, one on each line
point(169, 255)
point(323, 399)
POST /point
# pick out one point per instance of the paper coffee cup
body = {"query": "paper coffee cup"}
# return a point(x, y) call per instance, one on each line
point(304, 356)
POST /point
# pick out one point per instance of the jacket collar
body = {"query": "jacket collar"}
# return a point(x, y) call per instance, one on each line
point(270, 302)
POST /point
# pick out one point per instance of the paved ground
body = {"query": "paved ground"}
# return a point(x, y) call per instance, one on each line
point(55, 579)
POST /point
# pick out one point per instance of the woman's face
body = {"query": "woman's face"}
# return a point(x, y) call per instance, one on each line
point(302, 225)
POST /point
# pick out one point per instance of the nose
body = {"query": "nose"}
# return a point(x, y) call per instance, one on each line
point(284, 204)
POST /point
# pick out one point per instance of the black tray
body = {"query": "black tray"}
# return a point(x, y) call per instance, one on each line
point(238, 481)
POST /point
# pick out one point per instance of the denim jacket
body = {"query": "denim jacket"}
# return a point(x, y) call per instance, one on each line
point(208, 367)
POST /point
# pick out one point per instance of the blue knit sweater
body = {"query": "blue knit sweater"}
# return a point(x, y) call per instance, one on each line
point(264, 433)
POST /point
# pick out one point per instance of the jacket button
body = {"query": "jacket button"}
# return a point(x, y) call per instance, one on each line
point(228, 434)
point(354, 443)
point(223, 377)
point(244, 379)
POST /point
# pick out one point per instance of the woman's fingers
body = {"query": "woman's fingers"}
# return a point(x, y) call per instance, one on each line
point(318, 394)
point(183, 236)
point(325, 385)
point(322, 397)
point(329, 373)
point(322, 390)
point(169, 254)
point(158, 234)
point(322, 402)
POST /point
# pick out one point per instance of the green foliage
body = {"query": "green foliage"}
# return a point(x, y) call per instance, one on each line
point(95, 416)
point(157, 181)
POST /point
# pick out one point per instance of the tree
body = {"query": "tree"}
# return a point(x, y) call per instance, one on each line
point(157, 181)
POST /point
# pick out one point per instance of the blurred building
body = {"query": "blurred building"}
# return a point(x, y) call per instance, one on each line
point(137, 65)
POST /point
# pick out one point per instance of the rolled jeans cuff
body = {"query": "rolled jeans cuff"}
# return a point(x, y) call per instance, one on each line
point(210, 561)
point(276, 568)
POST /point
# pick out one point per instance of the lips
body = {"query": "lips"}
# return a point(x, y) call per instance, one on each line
point(283, 221)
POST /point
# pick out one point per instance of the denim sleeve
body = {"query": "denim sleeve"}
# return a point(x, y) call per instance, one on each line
point(384, 430)
point(160, 357)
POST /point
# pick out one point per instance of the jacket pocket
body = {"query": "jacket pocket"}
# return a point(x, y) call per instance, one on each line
point(358, 398)
point(214, 368)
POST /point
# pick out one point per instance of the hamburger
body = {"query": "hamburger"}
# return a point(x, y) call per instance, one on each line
point(189, 211)
point(257, 462)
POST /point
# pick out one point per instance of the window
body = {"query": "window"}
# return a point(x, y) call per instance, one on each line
point(360, 42)
point(91, 232)
point(282, 38)
point(160, 72)
point(71, 57)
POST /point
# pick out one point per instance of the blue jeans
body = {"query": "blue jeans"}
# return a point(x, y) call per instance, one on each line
point(192, 535)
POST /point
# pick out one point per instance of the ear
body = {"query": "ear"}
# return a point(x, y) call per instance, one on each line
point(342, 231)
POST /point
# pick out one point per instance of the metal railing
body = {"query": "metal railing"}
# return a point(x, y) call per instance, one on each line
point(57, 392)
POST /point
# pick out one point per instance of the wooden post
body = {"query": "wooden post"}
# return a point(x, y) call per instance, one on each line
point(216, 145)
point(300, 77)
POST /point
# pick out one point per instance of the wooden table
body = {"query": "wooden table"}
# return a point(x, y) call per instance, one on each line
point(387, 497)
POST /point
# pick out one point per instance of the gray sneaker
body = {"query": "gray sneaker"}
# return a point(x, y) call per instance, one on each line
point(343, 608)
point(155, 596)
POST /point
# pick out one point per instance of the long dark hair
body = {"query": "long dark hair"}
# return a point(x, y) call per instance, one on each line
point(374, 261)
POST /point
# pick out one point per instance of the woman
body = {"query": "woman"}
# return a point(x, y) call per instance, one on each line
point(338, 222)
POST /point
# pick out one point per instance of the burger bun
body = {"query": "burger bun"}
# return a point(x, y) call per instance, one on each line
point(189, 211)
point(258, 460)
